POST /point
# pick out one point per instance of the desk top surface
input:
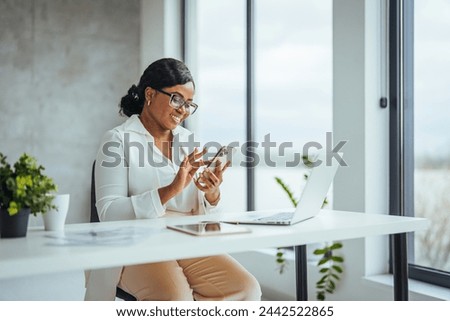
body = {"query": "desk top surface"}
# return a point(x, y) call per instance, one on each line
point(37, 253)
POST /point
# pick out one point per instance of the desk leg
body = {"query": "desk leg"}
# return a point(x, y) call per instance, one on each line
point(301, 273)
point(400, 266)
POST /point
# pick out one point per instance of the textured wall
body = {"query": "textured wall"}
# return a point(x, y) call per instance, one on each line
point(63, 67)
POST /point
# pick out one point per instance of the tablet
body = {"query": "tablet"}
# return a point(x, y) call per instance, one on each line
point(209, 228)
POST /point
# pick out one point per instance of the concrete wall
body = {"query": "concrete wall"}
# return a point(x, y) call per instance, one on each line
point(64, 65)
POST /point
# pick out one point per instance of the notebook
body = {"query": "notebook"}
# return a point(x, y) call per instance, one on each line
point(310, 202)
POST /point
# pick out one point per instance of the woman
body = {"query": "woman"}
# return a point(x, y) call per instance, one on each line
point(149, 176)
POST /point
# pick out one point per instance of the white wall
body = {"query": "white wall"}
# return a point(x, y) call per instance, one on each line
point(160, 30)
point(357, 118)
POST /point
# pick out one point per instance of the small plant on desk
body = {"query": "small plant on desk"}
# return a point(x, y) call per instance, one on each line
point(25, 186)
point(24, 189)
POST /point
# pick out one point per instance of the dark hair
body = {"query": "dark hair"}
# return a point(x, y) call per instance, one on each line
point(166, 72)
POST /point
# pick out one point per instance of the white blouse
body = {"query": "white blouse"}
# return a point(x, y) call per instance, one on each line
point(128, 174)
point(130, 169)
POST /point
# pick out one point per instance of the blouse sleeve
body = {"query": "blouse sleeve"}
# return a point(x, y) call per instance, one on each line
point(112, 186)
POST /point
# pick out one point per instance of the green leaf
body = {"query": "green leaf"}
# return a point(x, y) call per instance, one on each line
point(287, 190)
point(13, 208)
point(320, 296)
point(320, 251)
point(323, 279)
point(323, 261)
point(336, 246)
point(335, 276)
point(332, 285)
point(337, 259)
point(324, 270)
point(337, 268)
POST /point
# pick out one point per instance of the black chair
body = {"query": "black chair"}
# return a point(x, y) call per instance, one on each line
point(121, 294)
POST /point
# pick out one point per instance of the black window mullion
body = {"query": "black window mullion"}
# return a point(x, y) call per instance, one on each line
point(250, 104)
point(400, 115)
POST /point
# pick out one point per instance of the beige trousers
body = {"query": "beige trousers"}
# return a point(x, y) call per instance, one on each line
point(210, 278)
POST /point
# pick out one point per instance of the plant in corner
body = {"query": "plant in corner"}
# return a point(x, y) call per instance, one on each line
point(24, 189)
point(330, 263)
point(331, 267)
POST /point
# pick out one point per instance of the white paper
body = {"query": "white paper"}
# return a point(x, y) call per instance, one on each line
point(102, 236)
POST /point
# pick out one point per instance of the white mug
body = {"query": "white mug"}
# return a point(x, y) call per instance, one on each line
point(54, 219)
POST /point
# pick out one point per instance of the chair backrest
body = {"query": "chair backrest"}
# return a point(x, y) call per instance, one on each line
point(94, 213)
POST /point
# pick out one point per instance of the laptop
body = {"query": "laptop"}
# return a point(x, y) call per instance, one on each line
point(310, 202)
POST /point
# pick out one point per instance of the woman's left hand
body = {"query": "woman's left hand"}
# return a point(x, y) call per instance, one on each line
point(209, 182)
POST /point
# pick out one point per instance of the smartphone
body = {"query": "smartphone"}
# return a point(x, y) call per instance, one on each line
point(224, 154)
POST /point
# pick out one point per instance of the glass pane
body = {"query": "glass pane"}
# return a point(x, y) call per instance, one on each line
point(293, 89)
point(221, 87)
point(432, 133)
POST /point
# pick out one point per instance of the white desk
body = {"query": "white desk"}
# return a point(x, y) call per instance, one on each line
point(32, 255)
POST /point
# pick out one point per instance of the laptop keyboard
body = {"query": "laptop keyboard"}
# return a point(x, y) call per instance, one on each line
point(283, 216)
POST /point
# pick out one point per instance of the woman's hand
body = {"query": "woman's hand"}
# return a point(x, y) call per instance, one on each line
point(188, 168)
point(209, 182)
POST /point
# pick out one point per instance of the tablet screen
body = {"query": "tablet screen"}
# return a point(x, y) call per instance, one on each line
point(209, 228)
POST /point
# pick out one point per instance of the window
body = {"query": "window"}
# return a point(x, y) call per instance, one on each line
point(419, 137)
point(431, 132)
point(221, 87)
point(293, 87)
point(293, 94)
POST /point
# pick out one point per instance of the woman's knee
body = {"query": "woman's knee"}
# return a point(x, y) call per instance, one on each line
point(179, 292)
point(162, 281)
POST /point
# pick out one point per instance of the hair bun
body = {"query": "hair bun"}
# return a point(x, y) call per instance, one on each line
point(132, 102)
point(133, 91)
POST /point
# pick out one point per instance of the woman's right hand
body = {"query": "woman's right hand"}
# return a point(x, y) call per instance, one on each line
point(188, 168)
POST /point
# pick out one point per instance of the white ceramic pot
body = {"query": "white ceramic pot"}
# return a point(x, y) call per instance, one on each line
point(54, 219)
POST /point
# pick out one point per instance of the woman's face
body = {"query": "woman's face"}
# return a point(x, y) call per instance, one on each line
point(161, 110)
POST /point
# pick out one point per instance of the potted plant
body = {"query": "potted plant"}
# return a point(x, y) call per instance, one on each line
point(24, 189)
point(330, 263)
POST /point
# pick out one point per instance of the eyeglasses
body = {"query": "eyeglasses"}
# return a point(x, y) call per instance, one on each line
point(176, 101)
